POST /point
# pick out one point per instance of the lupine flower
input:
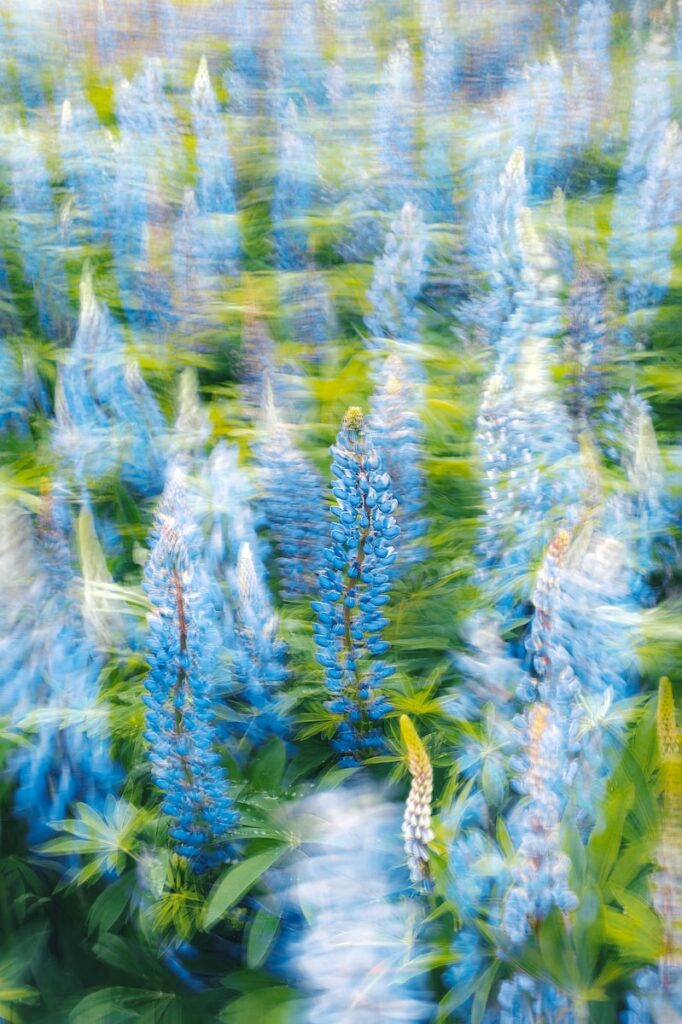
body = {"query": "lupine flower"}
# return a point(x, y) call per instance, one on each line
point(651, 110)
point(586, 343)
point(192, 424)
point(525, 1000)
point(236, 557)
point(37, 230)
point(417, 831)
point(631, 441)
point(439, 73)
point(143, 153)
point(293, 193)
point(293, 503)
point(50, 672)
point(592, 46)
point(355, 586)
point(180, 728)
point(540, 875)
point(397, 432)
point(361, 932)
point(106, 415)
point(219, 241)
point(226, 502)
point(395, 131)
point(541, 117)
point(258, 665)
point(84, 158)
point(398, 279)
point(493, 246)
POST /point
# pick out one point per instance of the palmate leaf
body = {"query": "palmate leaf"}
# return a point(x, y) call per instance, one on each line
point(105, 841)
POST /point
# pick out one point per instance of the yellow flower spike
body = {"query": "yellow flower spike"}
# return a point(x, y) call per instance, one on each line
point(353, 420)
point(417, 831)
point(666, 723)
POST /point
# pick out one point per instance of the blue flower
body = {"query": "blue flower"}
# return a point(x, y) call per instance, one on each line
point(398, 279)
point(293, 193)
point(50, 669)
point(355, 586)
point(397, 433)
point(182, 648)
point(293, 503)
point(395, 130)
point(219, 241)
point(107, 417)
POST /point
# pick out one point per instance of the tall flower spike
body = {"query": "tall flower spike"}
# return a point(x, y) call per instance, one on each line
point(395, 132)
point(182, 646)
point(219, 240)
point(398, 278)
point(49, 671)
point(397, 430)
point(259, 656)
point(294, 507)
point(417, 831)
point(540, 878)
point(355, 585)
point(293, 193)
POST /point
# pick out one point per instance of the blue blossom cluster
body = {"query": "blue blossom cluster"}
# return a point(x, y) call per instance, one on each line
point(440, 73)
point(37, 230)
point(50, 668)
point(219, 241)
point(292, 503)
point(107, 417)
point(493, 246)
point(398, 279)
point(524, 1000)
point(395, 127)
point(352, 957)
point(397, 432)
point(355, 586)
point(181, 729)
point(258, 665)
point(293, 192)
point(236, 557)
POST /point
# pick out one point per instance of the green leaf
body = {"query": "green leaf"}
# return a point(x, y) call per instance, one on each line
point(107, 1005)
point(265, 1006)
point(261, 936)
point(483, 991)
point(267, 768)
point(109, 905)
point(238, 880)
point(604, 842)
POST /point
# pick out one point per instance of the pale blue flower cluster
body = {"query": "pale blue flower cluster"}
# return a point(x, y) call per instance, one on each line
point(292, 501)
point(397, 431)
point(183, 644)
point(107, 418)
point(352, 956)
point(397, 281)
point(355, 586)
point(50, 669)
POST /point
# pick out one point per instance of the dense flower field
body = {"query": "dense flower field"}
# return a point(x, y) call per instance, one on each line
point(340, 489)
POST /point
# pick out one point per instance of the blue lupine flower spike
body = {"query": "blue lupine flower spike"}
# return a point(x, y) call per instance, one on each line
point(355, 586)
